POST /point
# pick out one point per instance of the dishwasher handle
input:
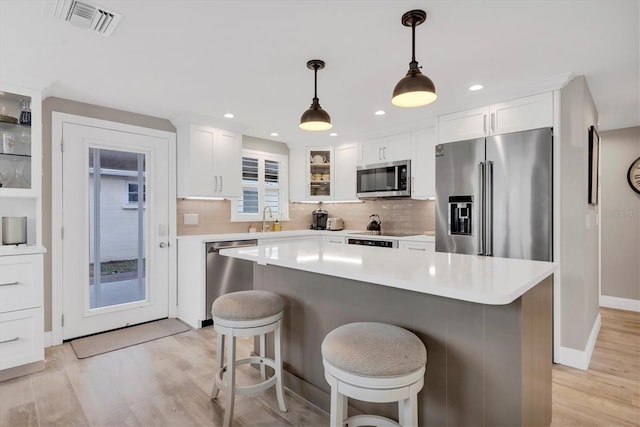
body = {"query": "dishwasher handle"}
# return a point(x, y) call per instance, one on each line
point(216, 249)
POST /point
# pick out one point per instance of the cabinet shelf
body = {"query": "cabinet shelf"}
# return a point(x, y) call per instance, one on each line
point(23, 156)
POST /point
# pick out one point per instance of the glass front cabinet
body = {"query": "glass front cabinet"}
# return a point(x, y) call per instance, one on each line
point(320, 173)
point(20, 127)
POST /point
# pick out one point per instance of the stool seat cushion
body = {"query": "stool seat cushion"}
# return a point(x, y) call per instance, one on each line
point(247, 305)
point(374, 350)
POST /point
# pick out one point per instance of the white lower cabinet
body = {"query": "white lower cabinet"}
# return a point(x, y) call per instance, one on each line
point(417, 246)
point(21, 312)
point(335, 239)
point(21, 337)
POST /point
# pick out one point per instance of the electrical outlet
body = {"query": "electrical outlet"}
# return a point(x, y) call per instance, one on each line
point(190, 219)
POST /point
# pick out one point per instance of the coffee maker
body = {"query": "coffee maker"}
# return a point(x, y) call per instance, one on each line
point(319, 219)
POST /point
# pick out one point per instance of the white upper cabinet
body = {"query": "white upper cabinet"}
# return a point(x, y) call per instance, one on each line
point(209, 162)
point(323, 173)
point(346, 160)
point(387, 149)
point(423, 163)
point(531, 112)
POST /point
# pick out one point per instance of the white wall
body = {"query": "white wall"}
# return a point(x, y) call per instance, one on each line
point(579, 225)
point(620, 210)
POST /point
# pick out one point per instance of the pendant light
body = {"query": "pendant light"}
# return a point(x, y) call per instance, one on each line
point(415, 89)
point(315, 118)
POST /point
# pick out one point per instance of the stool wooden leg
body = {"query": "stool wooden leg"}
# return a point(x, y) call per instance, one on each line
point(231, 382)
point(219, 357)
point(263, 368)
point(278, 369)
point(408, 409)
point(337, 412)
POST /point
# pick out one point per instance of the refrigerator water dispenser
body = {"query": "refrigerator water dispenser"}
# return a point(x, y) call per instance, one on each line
point(460, 209)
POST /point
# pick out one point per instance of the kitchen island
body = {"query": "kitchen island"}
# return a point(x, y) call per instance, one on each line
point(486, 323)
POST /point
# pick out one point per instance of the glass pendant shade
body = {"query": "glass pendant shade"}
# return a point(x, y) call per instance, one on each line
point(315, 118)
point(414, 90)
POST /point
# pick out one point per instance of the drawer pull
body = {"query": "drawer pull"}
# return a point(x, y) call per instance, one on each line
point(11, 340)
point(9, 284)
point(417, 249)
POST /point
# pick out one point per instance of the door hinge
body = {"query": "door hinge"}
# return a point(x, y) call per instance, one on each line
point(62, 320)
point(62, 232)
point(62, 146)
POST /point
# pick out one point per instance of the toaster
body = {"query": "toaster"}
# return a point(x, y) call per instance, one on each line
point(335, 224)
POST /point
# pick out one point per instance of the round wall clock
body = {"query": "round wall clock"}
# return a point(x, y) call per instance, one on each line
point(633, 176)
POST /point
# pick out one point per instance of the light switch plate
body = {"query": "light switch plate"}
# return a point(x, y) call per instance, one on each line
point(190, 219)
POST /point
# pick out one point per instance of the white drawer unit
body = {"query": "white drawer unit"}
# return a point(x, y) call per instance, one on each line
point(21, 337)
point(417, 246)
point(20, 282)
point(341, 240)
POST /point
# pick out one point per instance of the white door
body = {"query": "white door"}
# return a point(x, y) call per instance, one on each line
point(115, 215)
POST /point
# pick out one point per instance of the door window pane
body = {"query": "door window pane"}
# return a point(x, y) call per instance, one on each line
point(117, 235)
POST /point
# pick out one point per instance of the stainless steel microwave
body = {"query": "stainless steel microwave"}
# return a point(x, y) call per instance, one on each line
point(390, 179)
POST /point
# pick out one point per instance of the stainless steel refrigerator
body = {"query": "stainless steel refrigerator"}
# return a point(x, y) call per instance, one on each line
point(495, 196)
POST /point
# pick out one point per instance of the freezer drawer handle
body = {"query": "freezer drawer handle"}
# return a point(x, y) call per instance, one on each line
point(11, 340)
point(9, 284)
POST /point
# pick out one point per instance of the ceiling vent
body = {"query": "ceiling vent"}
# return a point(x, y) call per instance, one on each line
point(87, 16)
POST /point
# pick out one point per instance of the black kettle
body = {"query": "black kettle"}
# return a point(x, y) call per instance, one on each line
point(374, 224)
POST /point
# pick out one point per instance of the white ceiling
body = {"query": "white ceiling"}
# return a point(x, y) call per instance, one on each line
point(168, 58)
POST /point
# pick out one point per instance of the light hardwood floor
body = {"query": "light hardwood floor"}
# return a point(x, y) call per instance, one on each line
point(167, 382)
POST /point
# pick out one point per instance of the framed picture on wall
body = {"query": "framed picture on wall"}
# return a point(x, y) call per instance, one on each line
point(594, 151)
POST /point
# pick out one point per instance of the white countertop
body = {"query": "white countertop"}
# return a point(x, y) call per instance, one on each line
point(483, 280)
point(205, 238)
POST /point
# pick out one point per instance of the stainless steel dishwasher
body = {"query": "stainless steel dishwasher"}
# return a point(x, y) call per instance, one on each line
point(226, 274)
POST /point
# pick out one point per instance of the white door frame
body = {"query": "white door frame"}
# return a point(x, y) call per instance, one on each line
point(56, 209)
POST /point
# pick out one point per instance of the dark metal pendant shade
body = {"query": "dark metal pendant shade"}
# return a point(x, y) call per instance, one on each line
point(415, 89)
point(315, 118)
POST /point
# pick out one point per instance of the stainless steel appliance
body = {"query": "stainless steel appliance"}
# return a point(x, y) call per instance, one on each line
point(381, 243)
point(375, 224)
point(335, 224)
point(226, 274)
point(390, 179)
point(319, 219)
point(495, 194)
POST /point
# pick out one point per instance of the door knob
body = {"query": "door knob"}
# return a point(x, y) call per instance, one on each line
point(164, 244)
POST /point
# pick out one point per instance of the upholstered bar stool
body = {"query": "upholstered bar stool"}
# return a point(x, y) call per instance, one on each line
point(242, 314)
point(373, 362)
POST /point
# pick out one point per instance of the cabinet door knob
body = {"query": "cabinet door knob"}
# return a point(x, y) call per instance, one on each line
point(164, 245)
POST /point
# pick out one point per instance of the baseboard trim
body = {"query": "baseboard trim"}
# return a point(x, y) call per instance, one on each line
point(580, 358)
point(620, 303)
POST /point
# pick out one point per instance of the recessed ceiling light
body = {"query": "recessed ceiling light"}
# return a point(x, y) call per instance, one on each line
point(380, 113)
point(274, 134)
point(333, 134)
point(229, 115)
point(475, 87)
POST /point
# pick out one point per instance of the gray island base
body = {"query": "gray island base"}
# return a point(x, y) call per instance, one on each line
point(488, 365)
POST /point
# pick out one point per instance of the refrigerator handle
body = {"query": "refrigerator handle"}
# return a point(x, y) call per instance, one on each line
point(481, 198)
point(488, 209)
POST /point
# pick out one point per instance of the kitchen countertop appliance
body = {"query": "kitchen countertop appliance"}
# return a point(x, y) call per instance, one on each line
point(495, 196)
point(319, 219)
point(374, 225)
point(225, 274)
point(384, 180)
point(335, 224)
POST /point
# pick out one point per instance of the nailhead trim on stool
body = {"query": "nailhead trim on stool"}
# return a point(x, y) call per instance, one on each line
point(373, 362)
point(247, 313)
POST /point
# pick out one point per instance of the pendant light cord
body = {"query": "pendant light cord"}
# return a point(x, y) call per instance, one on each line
point(413, 40)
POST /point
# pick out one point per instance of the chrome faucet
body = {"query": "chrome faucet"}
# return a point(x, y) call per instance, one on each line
point(264, 211)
